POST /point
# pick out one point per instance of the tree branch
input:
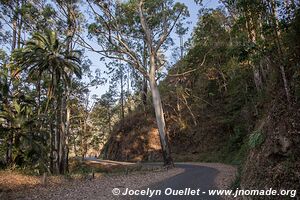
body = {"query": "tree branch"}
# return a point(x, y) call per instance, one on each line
point(192, 70)
point(166, 33)
point(145, 26)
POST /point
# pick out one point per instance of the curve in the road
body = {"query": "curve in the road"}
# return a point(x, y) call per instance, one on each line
point(194, 177)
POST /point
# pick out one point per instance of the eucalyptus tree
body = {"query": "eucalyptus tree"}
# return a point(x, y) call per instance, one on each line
point(10, 17)
point(123, 27)
point(103, 114)
point(71, 22)
point(117, 72)
point(181, 31)
point(19, 18)
point(260, 21)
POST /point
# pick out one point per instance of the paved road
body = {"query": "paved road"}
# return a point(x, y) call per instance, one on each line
point(194, 177)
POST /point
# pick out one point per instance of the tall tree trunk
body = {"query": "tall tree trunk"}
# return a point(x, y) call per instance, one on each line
point(10, 139)
point(74, 145)
point(14, 33)
point(57, 118)
point(68, 117)
point(20, 24)
point(56, 137)
point(181, 46)
point(144, 92)
point(65, 107)
point(159, 113)
point(122, 101)
point(82, 128)
point(38, 88)
point(9, 148)
point(252, 36)
point(128, 91)
point(109, 119)
point(62, 138)
point(280, 52)
point(83, 141)
point(145, 82)
point(52, 134)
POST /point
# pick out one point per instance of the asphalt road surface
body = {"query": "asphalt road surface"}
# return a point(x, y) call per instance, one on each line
point(194, 177)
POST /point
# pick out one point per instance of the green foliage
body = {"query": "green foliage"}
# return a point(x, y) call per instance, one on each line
point(3, 56)
point(46, 52)
point(256, 139)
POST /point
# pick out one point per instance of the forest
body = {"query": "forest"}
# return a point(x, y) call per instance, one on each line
point(221, 86)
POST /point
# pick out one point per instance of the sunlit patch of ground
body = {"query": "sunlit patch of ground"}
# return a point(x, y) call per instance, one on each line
point(10, 181)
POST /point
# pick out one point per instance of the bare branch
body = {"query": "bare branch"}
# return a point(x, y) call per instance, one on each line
point(192, 70)
point(145, 26)
point(107, 53)
point(166, 33)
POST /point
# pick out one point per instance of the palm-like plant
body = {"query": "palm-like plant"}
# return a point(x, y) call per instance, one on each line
point(43, 56)
point(44, 53)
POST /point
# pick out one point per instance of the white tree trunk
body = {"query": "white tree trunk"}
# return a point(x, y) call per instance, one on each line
point(56, 138)
point(159, 114)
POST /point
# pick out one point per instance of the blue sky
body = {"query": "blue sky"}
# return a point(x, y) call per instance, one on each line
point(193, 9)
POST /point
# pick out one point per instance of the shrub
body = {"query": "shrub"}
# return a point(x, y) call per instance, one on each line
point(256, 139)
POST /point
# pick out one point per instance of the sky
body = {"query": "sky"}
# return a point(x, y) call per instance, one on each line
point(193, 9)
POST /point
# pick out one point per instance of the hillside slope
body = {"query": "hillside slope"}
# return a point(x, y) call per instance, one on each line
point(274, 161)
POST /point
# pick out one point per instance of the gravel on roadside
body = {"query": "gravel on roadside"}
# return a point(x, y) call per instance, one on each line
point(98, 188)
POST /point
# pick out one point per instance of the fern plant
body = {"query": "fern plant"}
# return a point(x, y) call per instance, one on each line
point(256, 139)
